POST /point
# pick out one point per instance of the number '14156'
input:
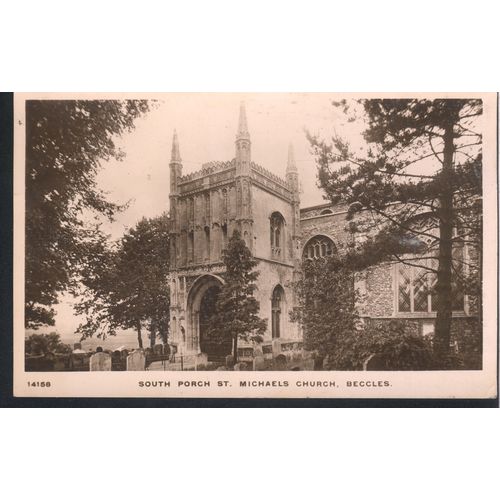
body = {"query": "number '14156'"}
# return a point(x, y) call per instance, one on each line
point(38, 384)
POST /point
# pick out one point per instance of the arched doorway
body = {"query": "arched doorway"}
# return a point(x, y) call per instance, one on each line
point(202, 299)
point(208, 344)
point(276, 310)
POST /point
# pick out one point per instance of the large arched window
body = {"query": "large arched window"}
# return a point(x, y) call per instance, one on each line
point(277, 233)
point(416, 274)
point(276, 307)
point(319, 246)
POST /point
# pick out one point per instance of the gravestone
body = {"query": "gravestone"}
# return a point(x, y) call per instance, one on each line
point(309, 364)
point(280, 362)
point(136, 361)
point(276, 347)
point(100, 362)
point(201, 359)
point(229, 361)
point(158, 349)
point(259, 363)
point(307, 354)
point(257, 351)
point(116, 361)
point(318, 362)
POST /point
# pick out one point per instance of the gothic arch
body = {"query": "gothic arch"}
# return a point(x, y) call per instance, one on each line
point(277, 225)
point(319, 245)
point(198, 289)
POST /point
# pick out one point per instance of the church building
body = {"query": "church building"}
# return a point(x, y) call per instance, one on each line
point(208, 205)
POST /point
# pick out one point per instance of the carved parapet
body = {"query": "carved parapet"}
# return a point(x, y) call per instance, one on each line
point(266, 173)
point(209, 168)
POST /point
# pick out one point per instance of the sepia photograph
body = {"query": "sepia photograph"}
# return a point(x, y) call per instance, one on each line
point(313, 244)
point(248, 248)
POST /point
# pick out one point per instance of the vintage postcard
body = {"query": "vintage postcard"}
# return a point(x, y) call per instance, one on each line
point(282, 245)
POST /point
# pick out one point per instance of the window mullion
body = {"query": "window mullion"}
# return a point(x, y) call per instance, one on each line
point(412, 286)
point(428, 263)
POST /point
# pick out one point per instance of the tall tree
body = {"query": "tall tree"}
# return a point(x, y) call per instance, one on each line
point(420, 179)
point(236, 310)
point(66, 141)
point(126, 285)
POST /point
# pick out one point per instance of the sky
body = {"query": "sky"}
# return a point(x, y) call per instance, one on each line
point(206, 125)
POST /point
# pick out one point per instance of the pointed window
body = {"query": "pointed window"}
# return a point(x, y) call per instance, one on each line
point(276, 307)
point(277, 236)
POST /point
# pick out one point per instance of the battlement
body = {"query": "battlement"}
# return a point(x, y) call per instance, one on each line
point(213, 167)
point(208, 169)
point(266, 173)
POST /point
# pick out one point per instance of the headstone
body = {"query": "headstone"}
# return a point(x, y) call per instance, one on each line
point(117, 361)
point(100, 362)
point(307, 354)
point(240, 367)
point(280, 362)
point(309, 364)
point(148, 351)
point(201, 359)
point(318, 362)
point(257, 351)
point(276, 347)
point(158, 349)
point(229, 361)
point(136, 361)
point(259, 363)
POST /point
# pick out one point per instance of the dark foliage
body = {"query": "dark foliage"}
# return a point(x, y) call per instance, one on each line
point(126, 286)
point(326, 304)
point(390, 346)
point(45, 343)
point(237, 310)
point(66, 140)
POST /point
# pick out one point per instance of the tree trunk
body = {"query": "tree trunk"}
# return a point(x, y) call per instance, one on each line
point(235, 349)
point(442, 334)
point(152, 335)
point(139, 334)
